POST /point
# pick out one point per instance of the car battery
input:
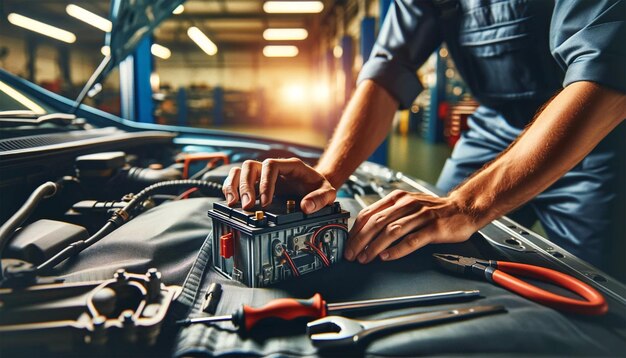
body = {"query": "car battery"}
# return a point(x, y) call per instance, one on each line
point(262, 246)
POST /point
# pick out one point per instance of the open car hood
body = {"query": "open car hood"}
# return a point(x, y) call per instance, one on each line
point(132, 20)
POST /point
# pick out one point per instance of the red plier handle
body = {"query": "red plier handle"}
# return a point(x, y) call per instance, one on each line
point(593, 304)
point(501, 272)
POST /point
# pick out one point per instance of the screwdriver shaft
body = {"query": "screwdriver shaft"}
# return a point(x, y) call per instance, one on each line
point(382, 302)
point(212, 319)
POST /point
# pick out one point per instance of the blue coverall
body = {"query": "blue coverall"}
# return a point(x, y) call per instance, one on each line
point(514, 56)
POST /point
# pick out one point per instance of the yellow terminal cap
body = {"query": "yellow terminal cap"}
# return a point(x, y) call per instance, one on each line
point(259, 215)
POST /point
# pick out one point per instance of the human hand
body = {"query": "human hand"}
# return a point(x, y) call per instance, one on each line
point(413, 218)
point(288, 176)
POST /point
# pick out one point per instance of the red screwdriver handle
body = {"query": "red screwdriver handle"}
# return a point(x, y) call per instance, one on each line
point(283, 308)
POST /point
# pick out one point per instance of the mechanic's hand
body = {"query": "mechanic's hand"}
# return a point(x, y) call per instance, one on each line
point(413, 218)
point(290, 176)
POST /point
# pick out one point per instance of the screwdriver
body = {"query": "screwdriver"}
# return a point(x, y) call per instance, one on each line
point(288, 309)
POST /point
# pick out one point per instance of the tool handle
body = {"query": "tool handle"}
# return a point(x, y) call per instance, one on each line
point(374, 328)
point(593, 303)
point(285, 309)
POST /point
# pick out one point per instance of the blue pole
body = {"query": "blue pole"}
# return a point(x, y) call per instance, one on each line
point(434, 132)
point(144, 105)
point(368, 38)
point(135, 89)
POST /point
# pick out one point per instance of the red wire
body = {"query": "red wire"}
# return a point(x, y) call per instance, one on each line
point(186, 194)
point(317, 232)
point(290, 262)
point(320, 254)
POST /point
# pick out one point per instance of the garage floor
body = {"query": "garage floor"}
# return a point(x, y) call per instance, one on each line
point(409, 154)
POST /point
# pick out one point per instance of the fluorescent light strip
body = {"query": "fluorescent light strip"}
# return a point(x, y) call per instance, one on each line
point(42, 28)
point(160, 51)
point(280, 51)
point(202, 41)
point(293, 7)
point(89, 17)
point(285, 34)
point(156, 50)
point(21, 98)
point(178, 10)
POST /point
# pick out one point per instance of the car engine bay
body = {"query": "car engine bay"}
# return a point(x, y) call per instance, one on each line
point(104, 235)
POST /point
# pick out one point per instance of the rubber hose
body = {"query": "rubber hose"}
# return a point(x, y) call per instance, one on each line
point(7, 230)
point(213, 189)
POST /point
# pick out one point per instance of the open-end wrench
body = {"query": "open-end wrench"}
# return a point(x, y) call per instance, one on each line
point(337, 331)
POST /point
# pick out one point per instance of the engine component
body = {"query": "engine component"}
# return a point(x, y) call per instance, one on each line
point(42, 239)
point(264, 246)
point(61, 317)
point(100, 164)
point(7, 229)
point(120, 216)
point(109, 174)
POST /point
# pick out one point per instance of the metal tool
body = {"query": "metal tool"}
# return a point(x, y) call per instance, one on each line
point(501, 272)
point(337, 331)
point(287, 309)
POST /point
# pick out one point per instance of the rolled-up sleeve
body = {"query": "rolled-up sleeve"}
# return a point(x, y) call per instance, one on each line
point(409, 34)
point(587, 39)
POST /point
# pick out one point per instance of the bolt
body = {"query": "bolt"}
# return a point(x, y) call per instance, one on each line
point(127, 318)
point(153, 273)
point(98, 322)
point(291, 206)
point(120, 275)
point(154, 284)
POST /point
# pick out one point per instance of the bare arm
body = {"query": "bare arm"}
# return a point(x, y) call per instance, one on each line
point(561, 136)
point(363, 126)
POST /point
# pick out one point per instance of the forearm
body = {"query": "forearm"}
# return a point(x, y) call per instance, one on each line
point(560, 137)
point(363, 126)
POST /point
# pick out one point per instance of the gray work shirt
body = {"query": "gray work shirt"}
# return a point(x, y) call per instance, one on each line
point(513, 55)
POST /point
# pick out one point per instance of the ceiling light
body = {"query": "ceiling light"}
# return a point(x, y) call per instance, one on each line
point(202, 41)
point(105, 50)
point(160, 51)
point(178, 10)
point(156, 49)
point(280, 51)
point(21, 98)
point(337, 51)
point(293, 7)
point(40, 27)
point(294, 93)
point(285, 34)
point(89, 17)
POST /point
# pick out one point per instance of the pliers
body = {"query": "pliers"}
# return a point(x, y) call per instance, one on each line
point(501, 273)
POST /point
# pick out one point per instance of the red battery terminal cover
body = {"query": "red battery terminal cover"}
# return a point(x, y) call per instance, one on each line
point(226, 245)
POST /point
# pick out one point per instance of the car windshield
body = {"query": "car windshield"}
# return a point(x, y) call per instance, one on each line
point(14, 103)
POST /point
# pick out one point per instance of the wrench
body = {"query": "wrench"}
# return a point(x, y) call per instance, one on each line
point(337, 331)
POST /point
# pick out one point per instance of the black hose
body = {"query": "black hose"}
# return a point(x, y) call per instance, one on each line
point(7, 230)
point(123, 215)
point(212, 189)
